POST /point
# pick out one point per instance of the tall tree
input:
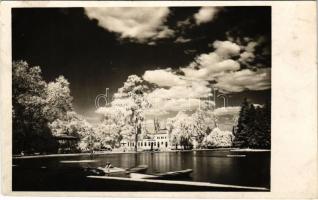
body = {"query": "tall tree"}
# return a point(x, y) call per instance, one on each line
point(240, 139)
point(203, 122)
point(254, 126)
point(218, 138)
point(30, 130)
point(35, 105)
point(129, 104)
point(58, 99)
point(181, 130)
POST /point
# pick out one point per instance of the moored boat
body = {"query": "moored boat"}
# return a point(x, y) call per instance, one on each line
point(112, 170)
point(138, 169)
point(166, 175)
point(175, 174)
point(142, 176)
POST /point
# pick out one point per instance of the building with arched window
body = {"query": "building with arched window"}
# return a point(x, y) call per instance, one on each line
point(158, 141)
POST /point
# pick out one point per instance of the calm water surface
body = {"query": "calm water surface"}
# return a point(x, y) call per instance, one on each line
point(208, 166)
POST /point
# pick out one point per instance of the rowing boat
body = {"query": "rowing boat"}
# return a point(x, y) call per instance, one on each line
point(138, 169)
point(166, 175)
point(112, 170)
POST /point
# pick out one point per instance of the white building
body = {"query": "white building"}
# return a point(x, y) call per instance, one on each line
point(156, 141)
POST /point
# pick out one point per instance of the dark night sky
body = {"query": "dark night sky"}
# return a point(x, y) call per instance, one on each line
point(64, 41)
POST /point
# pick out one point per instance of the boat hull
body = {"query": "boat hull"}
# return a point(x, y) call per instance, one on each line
point(167, 175)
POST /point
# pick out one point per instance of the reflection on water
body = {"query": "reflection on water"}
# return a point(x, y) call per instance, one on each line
point(208, 166)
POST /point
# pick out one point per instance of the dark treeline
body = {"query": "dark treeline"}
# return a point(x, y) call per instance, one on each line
point(254, 126)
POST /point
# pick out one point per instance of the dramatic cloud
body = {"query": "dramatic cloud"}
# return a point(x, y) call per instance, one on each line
point(226, 49)
point(227, 111)
point(205, 14)
point(246, 57)
point(182, 40)
point(163, 77)
point(172, 106)
point(223, 66)
point(155, 113)
point(250, 47)
point(139, 24)
point(176, 105)
point(184, 23)
point(245, 80)
point(208, 66)
point(195, 90)
point(179, 98)
point(192, 90)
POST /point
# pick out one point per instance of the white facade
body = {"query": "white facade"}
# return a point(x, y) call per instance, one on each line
point(157, 141)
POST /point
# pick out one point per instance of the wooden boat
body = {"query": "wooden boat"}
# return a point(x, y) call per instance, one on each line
point(138, 169)
point(175, 174)
point(112, 170)
point(142, 176)
point(166, 175)
point(102, 171)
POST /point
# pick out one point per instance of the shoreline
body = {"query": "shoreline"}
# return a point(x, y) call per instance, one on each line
point(132, 152)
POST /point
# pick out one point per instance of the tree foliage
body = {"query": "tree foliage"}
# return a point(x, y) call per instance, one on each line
point(35, 104)
point(126, 112)
point(218, 138)
point(196, 131)
point(253, 129)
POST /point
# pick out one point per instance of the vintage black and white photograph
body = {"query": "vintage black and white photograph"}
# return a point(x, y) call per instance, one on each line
point(141, 98)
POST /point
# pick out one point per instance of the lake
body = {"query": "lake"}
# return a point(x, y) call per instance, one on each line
point(214, 166)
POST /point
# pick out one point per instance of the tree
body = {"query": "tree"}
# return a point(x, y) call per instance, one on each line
point(203, 121)
point(58, 99)
point(181, 130)
point(241, 132)
point(218, 138)
point(253, 128)
point(35, 105)
point(127, 108)
point(30, 130)
point(72, 124)
point(262, 127)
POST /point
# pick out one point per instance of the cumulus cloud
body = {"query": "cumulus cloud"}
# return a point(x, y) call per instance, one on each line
point(184, 23)
point(226, 48)
point(194, 90)
point(222, 67)
point(176, 105)
point(168, 107)
point(182, 40)
point(155, 113)
point(246, 79)
point(139, 24)
point(205, 14)
point(250, 47)
point(209, 66)
point(247, 57)
point(163, 77)
point(227, 111)
point(180, 98)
